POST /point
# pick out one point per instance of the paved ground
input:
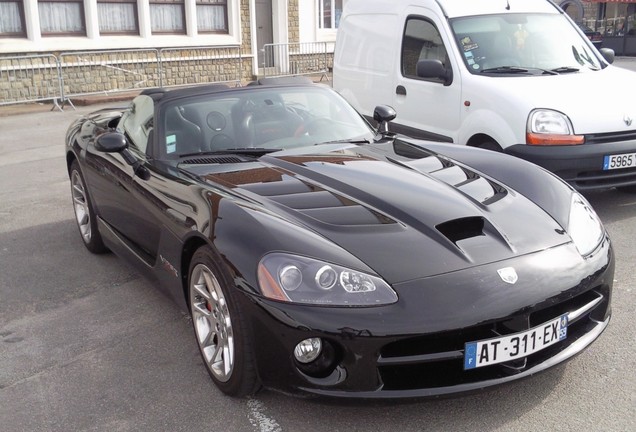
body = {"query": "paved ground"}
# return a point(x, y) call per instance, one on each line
point(86, 344)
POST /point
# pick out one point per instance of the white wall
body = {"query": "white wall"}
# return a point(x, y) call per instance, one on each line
point(309, 31)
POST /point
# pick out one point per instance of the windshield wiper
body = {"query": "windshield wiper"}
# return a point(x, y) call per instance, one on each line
point(565, 69)
point(347, 141)
point(505, 69)
point(254, 151)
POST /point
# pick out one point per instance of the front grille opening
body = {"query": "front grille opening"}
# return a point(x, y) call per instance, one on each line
point(461, 229)
point(436, 343)
point(551, 312)
point(610, 137)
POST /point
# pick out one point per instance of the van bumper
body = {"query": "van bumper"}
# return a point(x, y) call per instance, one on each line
point(581, 165)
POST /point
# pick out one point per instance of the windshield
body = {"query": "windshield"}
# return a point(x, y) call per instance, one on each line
point(525, 43)
point(271, 118)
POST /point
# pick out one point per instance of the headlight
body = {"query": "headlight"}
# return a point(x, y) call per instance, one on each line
point(584, 226)
point(549, 127)
point(297, 279)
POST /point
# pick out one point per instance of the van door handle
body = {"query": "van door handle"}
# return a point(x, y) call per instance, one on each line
point(400, 90)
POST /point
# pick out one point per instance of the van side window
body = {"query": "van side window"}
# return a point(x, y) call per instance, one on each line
point(421, 41)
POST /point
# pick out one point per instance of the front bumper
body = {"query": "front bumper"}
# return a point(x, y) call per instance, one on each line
point(582, 165)
point(414, 348)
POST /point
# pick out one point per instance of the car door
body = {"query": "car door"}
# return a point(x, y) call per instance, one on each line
point(122, 199)
point(427, 108)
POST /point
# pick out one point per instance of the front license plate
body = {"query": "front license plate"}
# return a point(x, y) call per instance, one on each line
point(506, 348)
point(626, 160)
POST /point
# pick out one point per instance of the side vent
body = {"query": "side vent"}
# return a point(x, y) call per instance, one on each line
point(461, 229)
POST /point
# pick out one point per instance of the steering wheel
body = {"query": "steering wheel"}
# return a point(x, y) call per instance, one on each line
point(315, 126)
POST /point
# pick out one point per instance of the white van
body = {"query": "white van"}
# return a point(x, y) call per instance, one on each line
point(511, 75)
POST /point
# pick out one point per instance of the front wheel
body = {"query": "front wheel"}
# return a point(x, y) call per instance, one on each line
point(220, 330)
point(490, 145)
point(84, 214)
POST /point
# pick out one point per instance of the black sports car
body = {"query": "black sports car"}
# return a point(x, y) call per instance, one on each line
point(319, 255)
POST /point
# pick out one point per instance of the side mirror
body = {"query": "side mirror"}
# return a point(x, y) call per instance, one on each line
point(111, 142)
point(608, 54)
point(434, 69)
point(383, 114)
point(115, 142)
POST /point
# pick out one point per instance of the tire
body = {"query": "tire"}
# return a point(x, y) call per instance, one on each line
point(490, 145)
point(84, 214)
point(219, 328)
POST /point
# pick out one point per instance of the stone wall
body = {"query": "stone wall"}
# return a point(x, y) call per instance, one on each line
point(246, 31)
point(32, 78)
point(35, 78)
point(294, 21)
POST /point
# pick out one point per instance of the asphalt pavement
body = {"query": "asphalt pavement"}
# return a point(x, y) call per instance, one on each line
point(86, 344)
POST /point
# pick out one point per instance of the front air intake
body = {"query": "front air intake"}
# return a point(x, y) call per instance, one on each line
point(457, 230)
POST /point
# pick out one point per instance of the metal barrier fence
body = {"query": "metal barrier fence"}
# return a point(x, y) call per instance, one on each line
point(33, 78)
point(302, 58)
point(101, 72)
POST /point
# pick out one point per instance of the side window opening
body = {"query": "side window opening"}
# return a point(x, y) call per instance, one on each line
point(421, 41)
point(137, 123)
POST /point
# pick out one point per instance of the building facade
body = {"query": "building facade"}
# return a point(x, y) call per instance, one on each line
point(615, 20)
point(113, 45)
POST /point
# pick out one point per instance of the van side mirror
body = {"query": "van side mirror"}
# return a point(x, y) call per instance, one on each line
point(383, 114)
point(434, 69)
point(608, 54)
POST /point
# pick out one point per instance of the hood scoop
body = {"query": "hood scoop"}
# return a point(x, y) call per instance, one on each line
point(461, 229)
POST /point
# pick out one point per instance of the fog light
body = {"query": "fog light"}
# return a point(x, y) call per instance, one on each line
point(308, 350)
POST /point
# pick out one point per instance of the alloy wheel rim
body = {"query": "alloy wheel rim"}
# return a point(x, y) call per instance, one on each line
point(80, 205)
point(212, 323)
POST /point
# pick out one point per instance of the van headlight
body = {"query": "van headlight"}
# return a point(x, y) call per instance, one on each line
point(549, 127)
point(584, 226)
point(297, 279)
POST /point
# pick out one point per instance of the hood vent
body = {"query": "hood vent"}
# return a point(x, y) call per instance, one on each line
point(317, 203)
point(211, 160)
point(461, 229)
point(463, 179)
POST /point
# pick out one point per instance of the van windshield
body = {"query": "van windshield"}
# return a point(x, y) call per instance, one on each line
point(523, 43)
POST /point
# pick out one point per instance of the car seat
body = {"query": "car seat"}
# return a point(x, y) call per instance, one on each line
point(182, 135)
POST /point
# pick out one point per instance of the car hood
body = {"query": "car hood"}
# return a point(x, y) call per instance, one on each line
point(406, 216)
point(568, 93)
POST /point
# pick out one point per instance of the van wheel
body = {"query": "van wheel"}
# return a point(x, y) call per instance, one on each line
point(490, 145)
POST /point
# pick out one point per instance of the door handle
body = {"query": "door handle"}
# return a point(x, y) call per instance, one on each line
point(400, 90)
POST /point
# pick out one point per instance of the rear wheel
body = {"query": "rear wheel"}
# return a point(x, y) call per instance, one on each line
point(220, 330)
point(84, 214)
